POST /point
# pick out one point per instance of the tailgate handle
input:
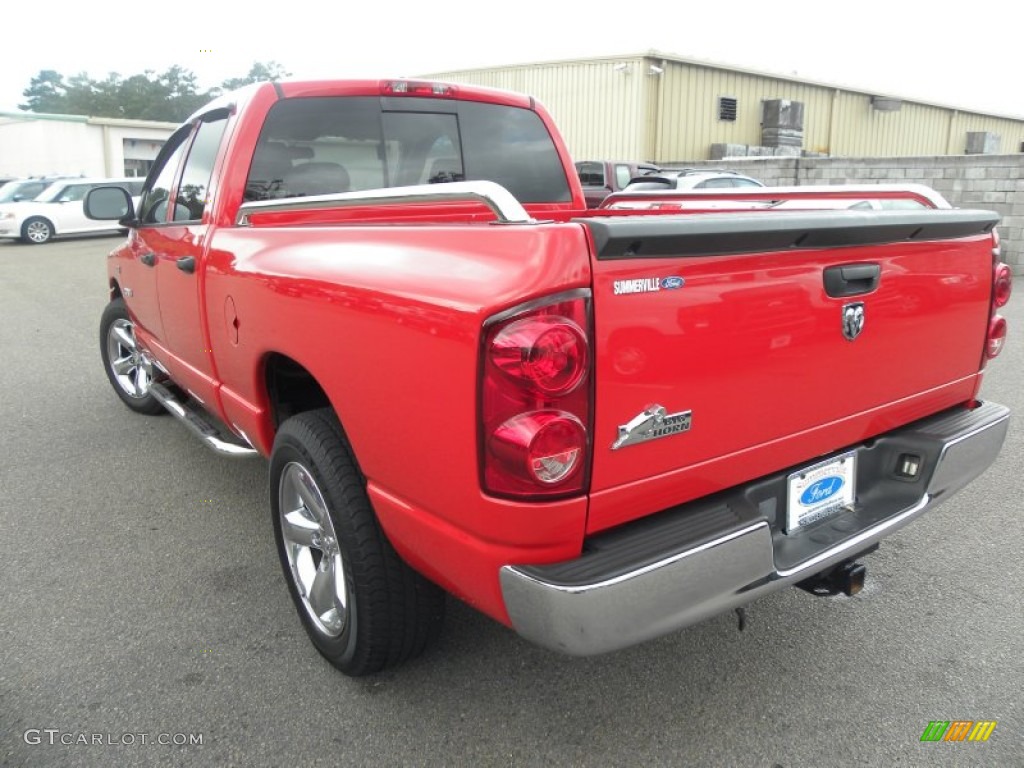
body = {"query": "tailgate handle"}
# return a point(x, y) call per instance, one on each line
point(851, 279)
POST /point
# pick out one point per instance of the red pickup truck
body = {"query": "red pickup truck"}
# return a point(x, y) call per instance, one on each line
point(596, 427)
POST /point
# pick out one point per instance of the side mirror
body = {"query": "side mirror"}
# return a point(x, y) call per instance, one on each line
point(17, 198)
point(110, 204)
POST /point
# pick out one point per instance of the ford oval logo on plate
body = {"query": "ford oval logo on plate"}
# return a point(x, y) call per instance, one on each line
point(822, 490)
point(671, 283)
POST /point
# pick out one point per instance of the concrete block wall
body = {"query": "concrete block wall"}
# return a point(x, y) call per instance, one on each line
point(992, 182)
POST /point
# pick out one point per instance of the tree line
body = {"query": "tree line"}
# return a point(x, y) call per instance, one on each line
point(170, 96)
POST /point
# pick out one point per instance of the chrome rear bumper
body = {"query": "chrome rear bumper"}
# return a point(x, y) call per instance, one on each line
point(686, 564)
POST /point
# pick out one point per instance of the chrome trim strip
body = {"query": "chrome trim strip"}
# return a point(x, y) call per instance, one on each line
point(184, 415)
point(543, 301)
point(506, 208)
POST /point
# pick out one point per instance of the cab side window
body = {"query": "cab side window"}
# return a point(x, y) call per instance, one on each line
point(193, 189)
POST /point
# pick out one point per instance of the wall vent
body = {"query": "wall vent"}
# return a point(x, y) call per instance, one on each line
point(727, 108)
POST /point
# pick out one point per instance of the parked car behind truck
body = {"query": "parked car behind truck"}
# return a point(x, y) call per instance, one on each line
point(669, 180)
point(18, 190)
point(58, 211)
point(601, 178)
point(594, 426)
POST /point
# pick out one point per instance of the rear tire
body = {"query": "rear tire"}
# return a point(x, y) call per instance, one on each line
point(363, 608)
point(36, 231)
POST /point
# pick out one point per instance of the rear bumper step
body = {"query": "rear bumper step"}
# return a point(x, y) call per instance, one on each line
point(199, 424)
point(691, 562)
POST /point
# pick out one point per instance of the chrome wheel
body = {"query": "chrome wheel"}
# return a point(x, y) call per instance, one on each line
point(38, 231)
point(311, 547)
point(363, 608)
point(129, 367)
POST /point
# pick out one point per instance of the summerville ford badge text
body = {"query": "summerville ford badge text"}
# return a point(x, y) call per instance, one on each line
point(647, 285)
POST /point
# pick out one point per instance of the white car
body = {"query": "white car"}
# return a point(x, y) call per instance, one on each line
point(668, 180)
point(59, 211)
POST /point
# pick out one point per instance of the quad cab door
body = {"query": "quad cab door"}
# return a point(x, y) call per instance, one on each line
point(170, 242)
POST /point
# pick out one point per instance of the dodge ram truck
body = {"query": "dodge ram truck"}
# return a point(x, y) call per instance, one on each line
point(594, 426)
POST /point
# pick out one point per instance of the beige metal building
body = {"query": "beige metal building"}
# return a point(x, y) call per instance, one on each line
point(33, 144)
point(668, 109)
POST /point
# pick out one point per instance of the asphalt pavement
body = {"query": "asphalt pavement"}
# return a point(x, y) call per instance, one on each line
point(143, 611)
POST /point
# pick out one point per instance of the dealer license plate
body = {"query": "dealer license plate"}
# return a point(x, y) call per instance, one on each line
point(821, 490)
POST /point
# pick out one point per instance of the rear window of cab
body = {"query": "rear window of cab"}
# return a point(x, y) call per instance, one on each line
point(322, 145)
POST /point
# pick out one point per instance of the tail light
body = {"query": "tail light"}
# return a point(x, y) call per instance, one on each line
point(1002, 287)
point(535, 399)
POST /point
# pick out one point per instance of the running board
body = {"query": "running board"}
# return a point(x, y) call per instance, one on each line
point(196, 420)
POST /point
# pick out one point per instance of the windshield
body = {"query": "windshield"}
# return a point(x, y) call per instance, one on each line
point(22, 190)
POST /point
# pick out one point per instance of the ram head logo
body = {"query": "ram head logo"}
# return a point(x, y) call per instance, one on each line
point(853, 320)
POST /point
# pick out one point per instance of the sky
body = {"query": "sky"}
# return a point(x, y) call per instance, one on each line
point(963, 55)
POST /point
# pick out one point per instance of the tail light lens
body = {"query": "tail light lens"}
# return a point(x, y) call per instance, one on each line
point(545, 446)
point(535, 399)
point(996, 336)
point(1003, 285)
point(545, 352)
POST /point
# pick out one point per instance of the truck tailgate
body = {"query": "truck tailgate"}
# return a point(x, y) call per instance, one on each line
point(734, 345)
